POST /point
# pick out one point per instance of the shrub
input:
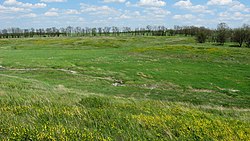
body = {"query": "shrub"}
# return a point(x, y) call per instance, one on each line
point(201, 37)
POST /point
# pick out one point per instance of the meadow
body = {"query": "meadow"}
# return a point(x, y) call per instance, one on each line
point(123, 88)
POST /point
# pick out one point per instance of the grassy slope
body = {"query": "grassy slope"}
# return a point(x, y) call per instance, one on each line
point(171, 88)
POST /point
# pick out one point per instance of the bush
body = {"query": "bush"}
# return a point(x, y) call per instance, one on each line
point(201, 37)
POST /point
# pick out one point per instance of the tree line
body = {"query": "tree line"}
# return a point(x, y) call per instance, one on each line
point(78, 31)
point(223, 33)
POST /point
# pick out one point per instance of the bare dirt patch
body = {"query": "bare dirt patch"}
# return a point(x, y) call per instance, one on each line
point(61, 88)
point(202, 90)
point(230, 90)
point(37, 69)
point(2, 93)
point(68, 71)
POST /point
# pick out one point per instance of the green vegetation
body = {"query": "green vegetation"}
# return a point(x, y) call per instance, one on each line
point(123, 88)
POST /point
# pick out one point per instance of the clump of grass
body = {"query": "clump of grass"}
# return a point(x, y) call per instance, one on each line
point(95, 102)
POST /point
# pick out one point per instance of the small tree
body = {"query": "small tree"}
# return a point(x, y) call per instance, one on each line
point(171, 32)
point(94, 31)
point(239, 35)
point(222, 30)
point(201, 36)
point(201, 33)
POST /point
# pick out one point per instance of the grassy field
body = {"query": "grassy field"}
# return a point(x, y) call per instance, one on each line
point(123, 88)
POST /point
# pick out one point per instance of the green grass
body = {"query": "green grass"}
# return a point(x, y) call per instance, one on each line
point(123, 88)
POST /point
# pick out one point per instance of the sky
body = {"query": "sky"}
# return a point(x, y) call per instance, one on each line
point(132, 13)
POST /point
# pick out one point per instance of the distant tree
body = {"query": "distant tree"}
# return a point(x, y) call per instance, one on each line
point(106, 30)
point(26, 33)
point(160, 31)
point(88, 30)
point(18, 32)
point(48, 32)
point(115, 30)
point(137, 31)
point(100, 31)
point(248, 40)
point(127, 30)
point(239, 35)
point(83, 32)
point(142, 31)
point(247, 36)
point(54, 32)
point(69, 30)
point(149, 30)
point(5, 33)
point(78, 31)
point(201, 36)
point(94, 31)
point(32, 32)
point(171, 32)
point(177, 29)
point(62, 31)
point(222, 31)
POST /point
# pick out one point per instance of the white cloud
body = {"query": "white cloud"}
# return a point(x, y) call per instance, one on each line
point(24, 5)
point(4, 9)
point(53, 0)
point(237, 6)
point(124, 16)
point(156, 12)
point(137, 13)
point(115, 1)
point(98, 10)
point(81, 19)
point(11, 2)
point(184, 17)
point(233, 5)
point(7, 17)
point(147, 14)
point(219, 2)
point(152, 3)
point(128, 4)
point(71, 12)
point(130, 15)
point(53, 9)
point(53, 12)
point(236, 16)
point(187, 4)
point(183, 3)
point(30, 15)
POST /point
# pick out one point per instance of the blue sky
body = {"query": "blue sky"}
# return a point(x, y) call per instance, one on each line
point(133, 13)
